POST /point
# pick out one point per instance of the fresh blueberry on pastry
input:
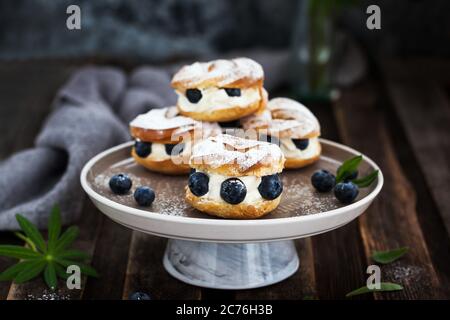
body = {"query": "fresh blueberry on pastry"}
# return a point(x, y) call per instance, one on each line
point(220, 90)
point(164, 139)
point(292, 126)
point(235, 178)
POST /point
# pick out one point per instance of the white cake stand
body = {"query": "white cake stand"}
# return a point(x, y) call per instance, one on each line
point(229, 254)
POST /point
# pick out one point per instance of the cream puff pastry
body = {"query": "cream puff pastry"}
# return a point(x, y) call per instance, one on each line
point(292, 126)
point(235, 178)
point(220, 90)
point(164, 139)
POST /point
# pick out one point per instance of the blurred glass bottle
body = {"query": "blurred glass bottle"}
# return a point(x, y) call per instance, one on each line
point(311, 52)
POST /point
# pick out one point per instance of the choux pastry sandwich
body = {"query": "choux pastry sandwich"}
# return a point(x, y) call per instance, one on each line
point(235, 178)
point(220, 90)
point(164, 139)
point(292, 126)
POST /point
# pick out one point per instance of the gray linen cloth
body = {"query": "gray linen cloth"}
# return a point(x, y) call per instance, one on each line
point(91, 113)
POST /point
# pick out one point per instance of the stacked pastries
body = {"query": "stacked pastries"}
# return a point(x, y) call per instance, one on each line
point(231, 177)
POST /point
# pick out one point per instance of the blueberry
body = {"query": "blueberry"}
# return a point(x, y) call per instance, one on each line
point(179, 147)
point(120, 183)
point(301, 144)
point(139, 296)
point(323, 180)
point(233, 92)
point(233, 191)
point(144, 196)
point(193, 95)
point(270, 187)
point(192, 171)
point(142, 149)
point(346, 192)
point(198, 183)
point(351, 176)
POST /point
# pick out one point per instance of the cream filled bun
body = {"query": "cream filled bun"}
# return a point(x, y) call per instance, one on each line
point(292, 126)
point(164, 139)
point(235, 178)
point(220, 90)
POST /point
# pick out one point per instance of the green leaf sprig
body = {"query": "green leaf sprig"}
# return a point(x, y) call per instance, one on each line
point(383, 257)
point(38, 256)
point(349, 167)
point(384, 286)
point(389, 256)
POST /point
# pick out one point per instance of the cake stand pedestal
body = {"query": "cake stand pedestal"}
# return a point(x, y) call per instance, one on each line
point(231, 265)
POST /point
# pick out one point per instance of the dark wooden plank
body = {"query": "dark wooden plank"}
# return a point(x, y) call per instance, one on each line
point(146, 273)
point(424, 112)
point(391, 221)
point(299, 286)
point(110, 260)
point(429, 212)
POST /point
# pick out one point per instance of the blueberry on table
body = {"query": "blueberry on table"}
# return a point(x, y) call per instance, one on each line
point(179, 147)
point(120, 183)
point(323, 180)
point(139, 296)
point(142, 149)
point(144, 196)
point(301, 144)
point(193, 95)
point(233, 191)
point(346, 192)
point(270, 187)
point(198, 183)
point(233, 92)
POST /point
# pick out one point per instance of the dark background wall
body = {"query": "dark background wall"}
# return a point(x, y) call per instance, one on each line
point(154, 30)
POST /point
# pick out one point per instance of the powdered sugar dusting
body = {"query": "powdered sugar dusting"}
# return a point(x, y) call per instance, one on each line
point(222, 71)
point(284, 114)
point(162, 119)
point(225, 149)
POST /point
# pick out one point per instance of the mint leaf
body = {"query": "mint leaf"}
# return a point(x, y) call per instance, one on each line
point(74, 254)
point(10, 273)
point(384, 286)
point(32, 232)
point(67, 238)
point(367, 180)
point(85, 269)
point(348, 167)
point(40, 257)
point(18, 252)
point(61, 272)
point(50, 276)
point(389, 256)
point(54, 228)
point(32, 271)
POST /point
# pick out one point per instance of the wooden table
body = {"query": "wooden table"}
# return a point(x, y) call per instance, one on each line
point(401, 119)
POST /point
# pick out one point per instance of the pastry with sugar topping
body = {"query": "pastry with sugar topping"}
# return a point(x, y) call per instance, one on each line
point(164, 139)
point(235, 178)
point(220, 90)
point(292, 126)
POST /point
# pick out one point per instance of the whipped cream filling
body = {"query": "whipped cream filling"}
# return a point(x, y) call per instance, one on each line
point(215, 182)
point(158, 152)
point(217, 98)
point(291, 151)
